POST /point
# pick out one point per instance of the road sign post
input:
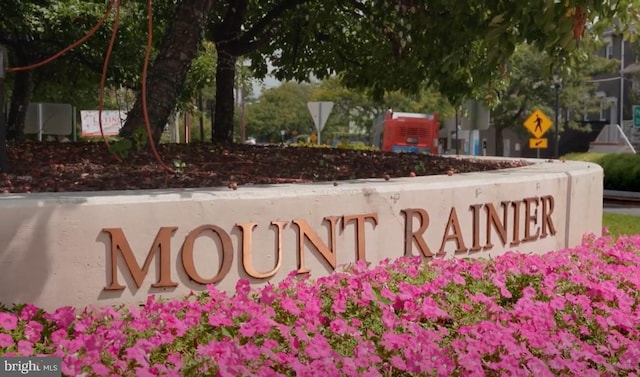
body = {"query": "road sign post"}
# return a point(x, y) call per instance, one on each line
point(636, 116)
point(320, 113)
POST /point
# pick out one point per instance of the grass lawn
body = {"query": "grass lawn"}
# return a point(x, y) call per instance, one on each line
point(621, 224)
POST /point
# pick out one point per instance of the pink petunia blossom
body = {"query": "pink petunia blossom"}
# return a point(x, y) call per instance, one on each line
point(8, 321)
point(25, 348)
point(6, 340)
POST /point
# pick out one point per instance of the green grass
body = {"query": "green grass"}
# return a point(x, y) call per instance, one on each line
point(621, 224)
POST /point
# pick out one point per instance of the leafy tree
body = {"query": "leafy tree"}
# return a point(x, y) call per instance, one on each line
point(359, 108)
point(36, 30)
point(377, 45)
point(179, 46)
point(283, 108)
point(527, 86)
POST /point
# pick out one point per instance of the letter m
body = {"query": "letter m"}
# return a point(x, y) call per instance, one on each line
point(120, 245)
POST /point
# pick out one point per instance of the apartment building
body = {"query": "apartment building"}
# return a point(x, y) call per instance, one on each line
point(617, 91)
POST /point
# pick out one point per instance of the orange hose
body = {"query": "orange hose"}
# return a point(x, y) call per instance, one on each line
point(103, 79)
point(73, 45)
point(104, 71)
point(144, 90)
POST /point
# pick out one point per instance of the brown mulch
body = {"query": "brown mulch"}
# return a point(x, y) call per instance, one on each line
point(59, 167)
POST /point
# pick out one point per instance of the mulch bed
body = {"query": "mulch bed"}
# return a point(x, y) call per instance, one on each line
point(59, 167)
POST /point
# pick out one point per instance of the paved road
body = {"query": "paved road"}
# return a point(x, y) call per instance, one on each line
point(622, 209)
point(622, 202)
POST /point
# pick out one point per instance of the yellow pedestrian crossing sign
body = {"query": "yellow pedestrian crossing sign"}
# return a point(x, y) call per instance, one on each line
point(538, 123)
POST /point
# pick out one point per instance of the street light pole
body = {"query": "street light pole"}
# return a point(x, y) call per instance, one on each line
point(557, 81)
point(457, 142)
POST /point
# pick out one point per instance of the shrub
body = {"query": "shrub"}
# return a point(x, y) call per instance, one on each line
point(621, 171)
point(341, 145)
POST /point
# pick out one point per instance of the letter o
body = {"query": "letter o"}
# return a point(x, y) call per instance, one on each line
point(187, 254)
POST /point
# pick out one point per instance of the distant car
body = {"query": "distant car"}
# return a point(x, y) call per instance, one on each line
point(251, 141)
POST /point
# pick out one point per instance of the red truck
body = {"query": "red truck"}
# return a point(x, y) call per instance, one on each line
point(406, 132)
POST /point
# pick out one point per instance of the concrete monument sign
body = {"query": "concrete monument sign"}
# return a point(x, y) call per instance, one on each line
point(118, 247)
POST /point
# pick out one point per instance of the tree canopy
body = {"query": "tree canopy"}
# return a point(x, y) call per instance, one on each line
point(381, 46)
point(527, 86)
point(457, 48)
point(284, 108)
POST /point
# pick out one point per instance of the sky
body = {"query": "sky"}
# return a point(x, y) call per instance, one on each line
point(268, 82)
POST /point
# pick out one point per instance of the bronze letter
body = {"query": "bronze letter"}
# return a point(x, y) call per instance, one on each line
point(162, 243)
point(529, 219)
point(247, 249)
point(410, 236)
point(548, 204)
point(360, 239)
point(226, 254)
point(493, 221)
point(475, 210)
point(306, 233)
point(457, 233)
point(516, 222)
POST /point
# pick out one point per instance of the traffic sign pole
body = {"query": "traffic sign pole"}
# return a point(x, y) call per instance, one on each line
point(320, 113)
point(319, 116)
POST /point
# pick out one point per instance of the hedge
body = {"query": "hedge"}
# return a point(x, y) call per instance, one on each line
point(621, 170)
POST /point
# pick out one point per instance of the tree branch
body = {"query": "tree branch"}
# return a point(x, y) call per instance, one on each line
point(262, 24)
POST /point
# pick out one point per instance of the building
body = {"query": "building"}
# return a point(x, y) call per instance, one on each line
point(617, 91)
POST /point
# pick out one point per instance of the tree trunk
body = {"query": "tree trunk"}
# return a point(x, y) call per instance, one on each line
point(225, 104)
point(20, 98)
point(167, 74)
point(499, 141)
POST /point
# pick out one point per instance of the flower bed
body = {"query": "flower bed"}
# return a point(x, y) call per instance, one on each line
point(572, 312)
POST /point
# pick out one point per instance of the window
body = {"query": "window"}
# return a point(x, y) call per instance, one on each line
point(608, 48)
point(600, 96)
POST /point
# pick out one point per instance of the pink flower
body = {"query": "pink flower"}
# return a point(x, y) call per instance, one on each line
point(6, 340)
point(175, 359)
point(33, 330)
point(220, 319)
point(100, 369)
point(28, 312)
point(267, 295)
point(58, 336)
point(258, 325)
point(25, 348)
point(8, 321)
point(338, 326)
point(289, 305)
point(319, 348)
point(62, 317)
point(393, 341)
point(243, 287)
